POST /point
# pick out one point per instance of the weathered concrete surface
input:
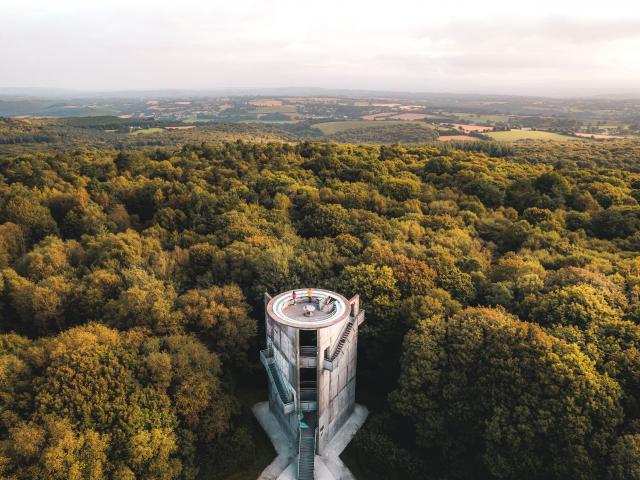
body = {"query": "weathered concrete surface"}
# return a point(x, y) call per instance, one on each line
point(278, 438)
point(327, 466)
point(290, 472)
point(331, 458)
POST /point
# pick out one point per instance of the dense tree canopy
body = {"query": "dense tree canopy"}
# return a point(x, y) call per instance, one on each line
point(482, 388)
point(501, 285)
point(109, 404)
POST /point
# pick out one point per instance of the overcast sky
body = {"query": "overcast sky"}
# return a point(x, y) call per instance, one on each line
point(541, 46)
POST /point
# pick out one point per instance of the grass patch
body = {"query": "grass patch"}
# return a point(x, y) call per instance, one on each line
point(274, 122)
point(198, 120)
point(329, 128)
point(146, 131)
point(481, 117)
point(514, 135)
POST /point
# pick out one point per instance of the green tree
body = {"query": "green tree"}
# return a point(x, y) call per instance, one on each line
point(625, 458)
point(219, 315)
point(491, 393)
point(574, 305)
point(35, 219)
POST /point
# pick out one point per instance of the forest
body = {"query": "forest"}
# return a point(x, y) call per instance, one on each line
point(501, 286)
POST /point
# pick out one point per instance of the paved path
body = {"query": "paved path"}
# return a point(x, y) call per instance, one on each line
point(327, 466)
point(281, 443)
point(331, 457)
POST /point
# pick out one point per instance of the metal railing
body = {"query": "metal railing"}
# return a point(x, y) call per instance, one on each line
point(331, 356)
point(285, 394)
point(308, 399)
point(299, 451)
point(308, 394)
point(306, 454)
point(308, 351)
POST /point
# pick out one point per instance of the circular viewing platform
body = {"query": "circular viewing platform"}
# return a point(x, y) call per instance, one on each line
point(322, 308)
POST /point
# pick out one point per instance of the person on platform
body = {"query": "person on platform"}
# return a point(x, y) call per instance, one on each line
point(310, 295)
point(294, 297)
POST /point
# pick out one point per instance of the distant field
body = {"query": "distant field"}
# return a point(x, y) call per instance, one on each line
point(329, 128)
point(377, 116)
point(471, 128)
point(146, 131)
point(458, 138)
point(275, 109)
point(481, 118)
point(265, 102)
point(197, 120)
point(271, 122)
point(513, 135)
point(600, 136)
point(411, 116)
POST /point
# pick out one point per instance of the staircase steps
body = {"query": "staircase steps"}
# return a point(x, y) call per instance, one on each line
point(307, 454)
point(343, 340)
point(282, 391)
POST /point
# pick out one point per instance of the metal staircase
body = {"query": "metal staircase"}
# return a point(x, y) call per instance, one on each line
point(331, 359)
point(306, 454)
point(285, 395)
point(282, 391)
point(343, 340)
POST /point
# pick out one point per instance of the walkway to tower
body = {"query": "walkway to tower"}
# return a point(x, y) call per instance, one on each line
point(327, 466)
point(306, 453)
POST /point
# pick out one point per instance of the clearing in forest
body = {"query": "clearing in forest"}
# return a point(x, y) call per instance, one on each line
point(146, 131)
point(329, 128)
point(410, 116)
point(599, 136)
point(514, 135)
point(480, 117)
point(471, 128)
point(462, 138)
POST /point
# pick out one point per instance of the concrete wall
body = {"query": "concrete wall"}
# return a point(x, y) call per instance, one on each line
point(337, 388)
point(283, 341)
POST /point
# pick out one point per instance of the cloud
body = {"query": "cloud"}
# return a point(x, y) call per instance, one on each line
point(407, 44)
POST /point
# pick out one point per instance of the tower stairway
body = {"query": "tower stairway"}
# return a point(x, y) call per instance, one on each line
point(282, 391)
point(343, 340)
point(306, 448)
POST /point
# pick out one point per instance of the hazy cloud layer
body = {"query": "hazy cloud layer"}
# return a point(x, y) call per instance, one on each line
point(491, 46)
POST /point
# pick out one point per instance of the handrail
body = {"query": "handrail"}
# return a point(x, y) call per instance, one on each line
point(299, 450)
point(307, 462)
point(352, 322)
point(268, 360)
point(315, 442)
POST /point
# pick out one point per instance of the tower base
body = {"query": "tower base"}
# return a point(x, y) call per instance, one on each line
point(328, 466)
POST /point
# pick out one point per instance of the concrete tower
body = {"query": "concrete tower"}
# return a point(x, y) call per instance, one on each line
point(310, 359)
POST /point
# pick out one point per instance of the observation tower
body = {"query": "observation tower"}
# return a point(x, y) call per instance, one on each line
point(310, 359)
